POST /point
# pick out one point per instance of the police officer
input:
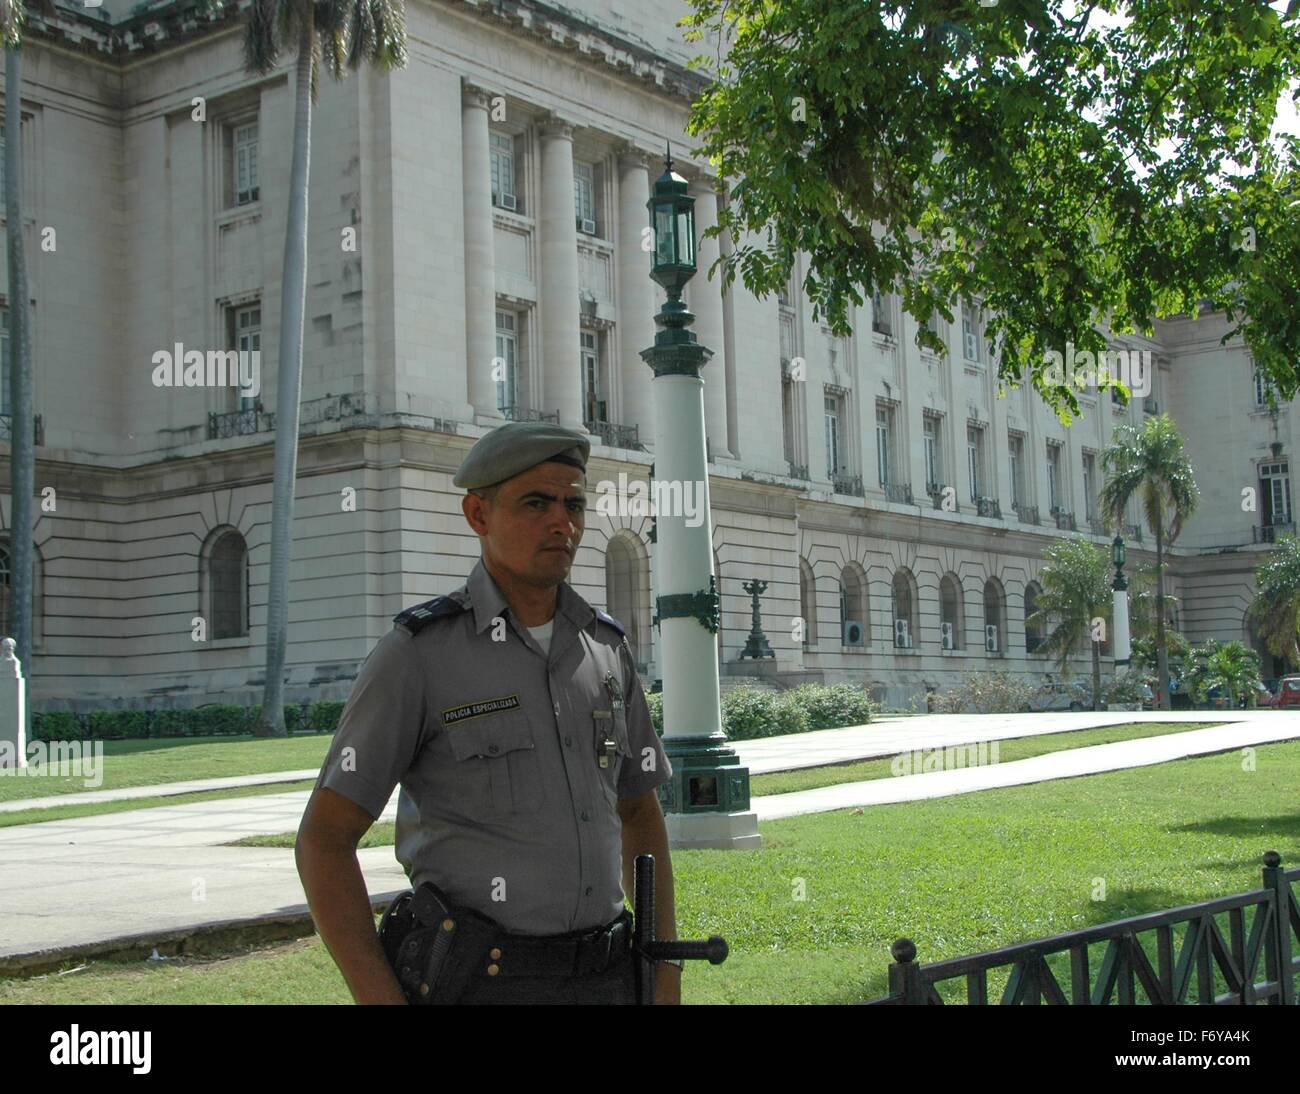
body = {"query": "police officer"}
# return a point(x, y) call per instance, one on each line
point(512, 716)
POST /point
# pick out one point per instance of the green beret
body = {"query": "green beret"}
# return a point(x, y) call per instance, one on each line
point(513, 448)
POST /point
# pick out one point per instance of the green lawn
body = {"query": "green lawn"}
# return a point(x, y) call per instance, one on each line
point(177, 759)
point(958, 875)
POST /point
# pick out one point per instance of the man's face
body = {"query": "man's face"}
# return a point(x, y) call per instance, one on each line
point(532, 527)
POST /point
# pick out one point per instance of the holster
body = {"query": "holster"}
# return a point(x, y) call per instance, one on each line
point(432, 945)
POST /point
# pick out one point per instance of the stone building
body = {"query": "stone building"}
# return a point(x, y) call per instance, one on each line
point(475, 254)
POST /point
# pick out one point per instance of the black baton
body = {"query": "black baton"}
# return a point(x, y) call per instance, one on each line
point(644, 946)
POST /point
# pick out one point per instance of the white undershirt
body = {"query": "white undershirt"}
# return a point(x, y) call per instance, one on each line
point(543, 634)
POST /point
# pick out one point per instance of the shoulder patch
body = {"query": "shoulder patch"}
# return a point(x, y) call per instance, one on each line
point(417, 618)
point(605, 617)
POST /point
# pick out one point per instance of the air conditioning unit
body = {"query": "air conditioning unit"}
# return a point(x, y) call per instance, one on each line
point(946, 635)
point(506, 201)
point(853, 634)
point(991, 637)
point(903, 634)
point(588, 226)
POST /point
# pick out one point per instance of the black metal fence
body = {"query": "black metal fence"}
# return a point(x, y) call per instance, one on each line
point(1142, 961)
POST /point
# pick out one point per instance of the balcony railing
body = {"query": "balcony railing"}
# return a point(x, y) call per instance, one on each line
point(1133, 532)
point(1026, 514)
point(936, 490)
point(334, 408)
point(899, 492)
point(614, 434)
point(528, 414)
point(797, 470)
point(988, 507)
point(240, 423)
point(847, 484)
point(7, 429)
point(1268, 533)
point(1097, 526)
point(1064, 520)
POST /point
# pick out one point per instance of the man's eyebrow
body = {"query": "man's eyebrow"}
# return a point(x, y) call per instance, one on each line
point(552, 497)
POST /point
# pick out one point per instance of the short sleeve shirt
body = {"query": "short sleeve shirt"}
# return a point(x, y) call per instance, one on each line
point(497, 745)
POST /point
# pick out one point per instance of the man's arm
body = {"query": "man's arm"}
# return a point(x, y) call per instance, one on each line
point(644, 833)
point(326, 854)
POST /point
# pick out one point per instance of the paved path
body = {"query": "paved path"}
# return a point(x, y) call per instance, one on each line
point(98, 878)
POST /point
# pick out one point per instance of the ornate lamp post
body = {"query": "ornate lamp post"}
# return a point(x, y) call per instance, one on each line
point(1119, 617)
point(706, 802)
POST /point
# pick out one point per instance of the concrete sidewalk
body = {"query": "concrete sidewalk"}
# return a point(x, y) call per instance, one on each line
point(887, 736)
point(92, 879)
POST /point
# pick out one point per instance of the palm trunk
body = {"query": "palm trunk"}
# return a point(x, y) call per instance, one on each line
point(293, 298)
point(22, 453)
point(1096, 675)
point(1162, 651)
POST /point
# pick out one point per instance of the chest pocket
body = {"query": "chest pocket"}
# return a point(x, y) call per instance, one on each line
point(617, 726)
point(497, 764)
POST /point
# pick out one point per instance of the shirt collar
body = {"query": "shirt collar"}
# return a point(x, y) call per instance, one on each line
point(489, 602)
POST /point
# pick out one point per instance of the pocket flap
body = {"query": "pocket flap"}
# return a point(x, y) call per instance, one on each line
point(492, 737)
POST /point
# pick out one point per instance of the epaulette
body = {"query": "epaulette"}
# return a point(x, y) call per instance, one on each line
point(605, 617)
point(415, 619)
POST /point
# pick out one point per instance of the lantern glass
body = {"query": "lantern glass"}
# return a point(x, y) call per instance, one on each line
point(665, 238)
point(686, 236)
point(1117, 551)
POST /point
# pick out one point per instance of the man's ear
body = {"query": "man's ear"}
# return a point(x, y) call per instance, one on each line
point(472, 506)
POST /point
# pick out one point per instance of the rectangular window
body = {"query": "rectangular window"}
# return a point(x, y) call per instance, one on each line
point(885, 444)
point(246, 335)
point(881, 309)
point(930, 439)
point(787, 417)
point(975, 460)
point(2, 164)
point(502, 152)
point(508, 352)
point(832, 413)
point(1016, 450)
point(1275, 492)
point(970, 338)
point(1089, 485)
point(593, 390)
point(4, 361)
point(1054, 476)
point(245, 161)
point(584, 197)
point(1261, 389)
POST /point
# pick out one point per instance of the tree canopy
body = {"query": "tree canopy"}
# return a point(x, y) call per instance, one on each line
point(1065, 166)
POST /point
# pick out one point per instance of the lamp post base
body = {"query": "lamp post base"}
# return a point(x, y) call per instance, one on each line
point(724, 831)
point(706, 802)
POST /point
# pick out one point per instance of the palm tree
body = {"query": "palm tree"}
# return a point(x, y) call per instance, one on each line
point(1275, 611)
point(337, 33)
point(1232, 666)
point(22, 426)
point(1151, 464)
point(1076, 584)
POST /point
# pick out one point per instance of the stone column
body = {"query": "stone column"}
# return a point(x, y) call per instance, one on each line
point(558, 279)
point(480, 261)
point(706, 301)
point(637, 301)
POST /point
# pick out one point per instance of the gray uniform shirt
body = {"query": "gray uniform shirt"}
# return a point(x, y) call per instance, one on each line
point(504, 803)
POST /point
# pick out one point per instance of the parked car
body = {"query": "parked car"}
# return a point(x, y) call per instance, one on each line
point(1058, 695)
point(1288, 692)
point(1263, 696)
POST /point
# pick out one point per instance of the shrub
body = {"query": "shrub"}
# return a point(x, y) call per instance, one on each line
point(169, 723)
point(655, 701)
point(985, 693)
point(114, 725)
point(323, 717)
point(57, 725)
point(216, 719)
point(749, 713)
point(1125, 688)
point(833, 706)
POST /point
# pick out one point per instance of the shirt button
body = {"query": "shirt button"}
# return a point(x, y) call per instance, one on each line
point(584, 815)
point(568, 741)
point(557, 708)
point(589, 890)
point(493, 749)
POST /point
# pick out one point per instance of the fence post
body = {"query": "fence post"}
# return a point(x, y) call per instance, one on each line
point(905, 976)
point(13, 706)
point(1282, 973)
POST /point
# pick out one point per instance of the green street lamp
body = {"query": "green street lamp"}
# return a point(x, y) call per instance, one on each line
point(1119, 616)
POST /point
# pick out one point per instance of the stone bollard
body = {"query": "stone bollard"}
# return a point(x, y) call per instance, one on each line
point(13, 709)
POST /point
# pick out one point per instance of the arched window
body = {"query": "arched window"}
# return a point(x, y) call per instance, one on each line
point(1033, 633)
point(627, 593)
point(903, 599)
point(951, 630)
point(808, 603)
point(228, 586)
point(995, 616)
point(853, 608)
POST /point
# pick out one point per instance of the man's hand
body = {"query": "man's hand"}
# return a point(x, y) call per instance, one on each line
point(668, 984)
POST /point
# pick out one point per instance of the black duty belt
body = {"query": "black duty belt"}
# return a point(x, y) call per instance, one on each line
point(578, 953)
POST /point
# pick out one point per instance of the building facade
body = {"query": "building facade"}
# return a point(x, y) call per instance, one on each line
point(476, 254)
